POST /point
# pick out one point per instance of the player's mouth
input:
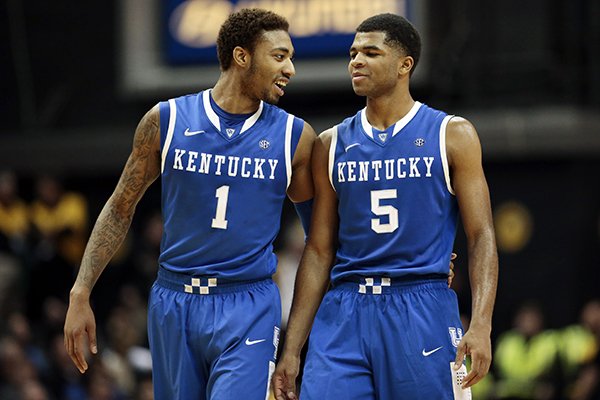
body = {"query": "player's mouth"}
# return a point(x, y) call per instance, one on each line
point(280, 84)
point(358, 77)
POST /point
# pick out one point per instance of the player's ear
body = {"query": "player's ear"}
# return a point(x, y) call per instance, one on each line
point(405, 65)
point(241, 57)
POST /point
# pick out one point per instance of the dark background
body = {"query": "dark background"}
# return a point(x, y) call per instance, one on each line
point(526, 73)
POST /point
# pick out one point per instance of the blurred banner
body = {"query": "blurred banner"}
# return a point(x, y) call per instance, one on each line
point(318, 28)
point(168, 47)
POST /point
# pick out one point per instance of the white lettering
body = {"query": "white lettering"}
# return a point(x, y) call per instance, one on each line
point(364, 171)
point(351, 168)
point(204, 163)
point(219, 160)
point(341, 177)
point(376, 164)
point(389, 169)
point(428, 163)
point(273, 165)
point(233, 165)
point(401, 174)
point(177, 164)
point(248, 161)
point(191, 158)
point(258, 172)
point(414, 171)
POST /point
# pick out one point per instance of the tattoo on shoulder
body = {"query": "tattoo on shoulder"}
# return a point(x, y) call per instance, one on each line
point(147, 130)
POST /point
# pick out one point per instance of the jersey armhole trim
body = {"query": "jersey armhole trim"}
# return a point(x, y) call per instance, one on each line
point(444, 154)
point(169, 136)
point(332, 147)
point(288, 148)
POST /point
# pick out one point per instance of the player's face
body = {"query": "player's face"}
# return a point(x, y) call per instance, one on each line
point(271, 68)
point(373, 64)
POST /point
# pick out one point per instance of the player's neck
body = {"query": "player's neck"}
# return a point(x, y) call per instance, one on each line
point(384, 111)
point(228, 93)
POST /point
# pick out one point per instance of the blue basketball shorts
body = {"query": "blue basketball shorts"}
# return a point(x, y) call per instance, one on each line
point(379, 339)
point(210, 340)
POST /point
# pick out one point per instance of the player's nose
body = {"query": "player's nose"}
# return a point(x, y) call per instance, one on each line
point(288, 69)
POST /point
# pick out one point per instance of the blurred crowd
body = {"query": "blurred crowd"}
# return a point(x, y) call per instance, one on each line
point(42, 240)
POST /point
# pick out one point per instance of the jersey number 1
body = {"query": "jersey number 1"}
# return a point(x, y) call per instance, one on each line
point(390, 211)
point(222, 195)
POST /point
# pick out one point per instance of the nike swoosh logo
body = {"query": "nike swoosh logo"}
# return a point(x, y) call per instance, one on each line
point(351, 146)
point(191, 133)
point(251, 342)
point(428, 353)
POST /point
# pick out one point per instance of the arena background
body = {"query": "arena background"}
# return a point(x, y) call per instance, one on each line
point(76, 77)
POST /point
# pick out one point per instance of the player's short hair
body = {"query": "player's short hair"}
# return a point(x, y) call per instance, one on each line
point(244, 28)
point(399, 33)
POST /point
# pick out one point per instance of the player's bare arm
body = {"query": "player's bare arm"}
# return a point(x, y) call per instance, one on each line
point(471, 189)
point(313, 273)
point(141, 169)
point(301, 186)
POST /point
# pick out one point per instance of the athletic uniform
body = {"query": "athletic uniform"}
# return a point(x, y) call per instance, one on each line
point(389, 327)
point(214, 312)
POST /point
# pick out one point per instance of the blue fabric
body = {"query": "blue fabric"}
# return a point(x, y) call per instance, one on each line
point(368, 346)
point(223, 187)
point(304, 211)
point(397, 214)
point(202, 344)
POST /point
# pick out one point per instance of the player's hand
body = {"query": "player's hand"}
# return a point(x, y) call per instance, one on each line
point(80, 330)
point(284, 378)
point(451, 273)
point(476, 343)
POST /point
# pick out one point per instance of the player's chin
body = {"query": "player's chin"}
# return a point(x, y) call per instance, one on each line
point(272, 98)
point(359, 89)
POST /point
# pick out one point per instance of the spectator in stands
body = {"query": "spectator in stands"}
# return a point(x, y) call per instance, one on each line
point(14, 221)
point(587, 384)
point(14, 227)
point(526, 358)
point(59, 223)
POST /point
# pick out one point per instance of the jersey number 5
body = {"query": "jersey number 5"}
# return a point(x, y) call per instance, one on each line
point(390, 211)
point(222, 195)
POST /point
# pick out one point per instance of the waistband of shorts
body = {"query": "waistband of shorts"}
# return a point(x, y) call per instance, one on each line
point(203, 285)
point(378, 284)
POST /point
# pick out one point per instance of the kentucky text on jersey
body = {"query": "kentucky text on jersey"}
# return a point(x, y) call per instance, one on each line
point(217, 164)
point(401, 168)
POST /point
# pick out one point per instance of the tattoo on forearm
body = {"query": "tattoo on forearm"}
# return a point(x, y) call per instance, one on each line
point(141, 170)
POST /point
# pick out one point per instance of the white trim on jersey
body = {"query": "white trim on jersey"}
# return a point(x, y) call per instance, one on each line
point(407, 118)
point(288, 147)
point(169, 135)
point(252, 120)
point(210, 113)
point(401, 123)
point(443, 153)
point(332, 147)
point(214, 118)
point(365, 124)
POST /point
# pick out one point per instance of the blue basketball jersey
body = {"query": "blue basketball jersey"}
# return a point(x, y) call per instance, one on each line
point(224, 181)
point(399, 213)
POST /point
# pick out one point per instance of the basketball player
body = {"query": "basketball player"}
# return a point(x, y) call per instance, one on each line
point(227, 158)
point(390, 183)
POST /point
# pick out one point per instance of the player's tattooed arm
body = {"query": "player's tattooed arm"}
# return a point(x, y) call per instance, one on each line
point(142, 168)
